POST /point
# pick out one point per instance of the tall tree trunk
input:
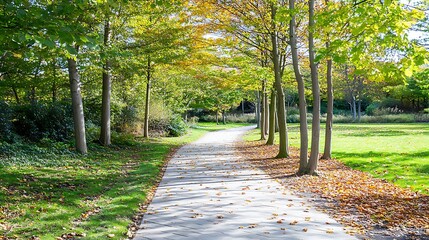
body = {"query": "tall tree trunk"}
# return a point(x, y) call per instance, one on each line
point(272, 127)
point(330, 111)
point(354, 107)
point(54, 84)
point(267, 114)
point(77, 105)
point(148, 86)
point(315, 131)
point(223, 117)
point(217, 117)
point(107, 86)
point(242, 107)
point(359, 109)
point(15, 93)
point(263, 119)
point(277, 117)
point(303, 153)
point(281, 108)
point(258, 109)
point(33, 95)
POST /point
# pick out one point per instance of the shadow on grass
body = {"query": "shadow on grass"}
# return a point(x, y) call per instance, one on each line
point(45, 201)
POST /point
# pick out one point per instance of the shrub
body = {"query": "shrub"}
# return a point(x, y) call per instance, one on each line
point(387, 111)
point(6, 127)
point(240, 118)
point(37, 121)
point(177, 127)
point(371, 108)
point(390, 103)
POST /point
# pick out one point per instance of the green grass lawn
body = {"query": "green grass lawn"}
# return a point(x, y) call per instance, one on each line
point(395, 152)
point(48, 194)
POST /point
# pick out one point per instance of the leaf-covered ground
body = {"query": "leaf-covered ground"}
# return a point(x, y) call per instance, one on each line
point(374, 207)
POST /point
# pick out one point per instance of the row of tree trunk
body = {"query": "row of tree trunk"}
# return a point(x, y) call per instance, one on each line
point(267, 123)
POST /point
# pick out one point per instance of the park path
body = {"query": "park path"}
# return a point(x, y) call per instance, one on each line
point(207, 194)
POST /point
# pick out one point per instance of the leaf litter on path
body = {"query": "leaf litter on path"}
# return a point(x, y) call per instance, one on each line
point(356, 199)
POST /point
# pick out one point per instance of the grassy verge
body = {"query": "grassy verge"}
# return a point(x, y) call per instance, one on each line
point(395, 152)
point(50, 193)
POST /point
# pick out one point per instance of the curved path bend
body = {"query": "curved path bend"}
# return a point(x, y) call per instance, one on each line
point(207, 194)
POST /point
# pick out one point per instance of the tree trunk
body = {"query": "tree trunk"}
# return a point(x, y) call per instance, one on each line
point(15, 93)
point(33, 95)
point(330, 111)
point(223, 117)
point(315, 131)
point(354, 107)
point(54, 84)
point(217, 117)
point(146, 114)
point(77, 105)
point(359, 109)
point(263, 109)
point(281, 108)
point(277, 118)
point(272, 127)
point(107, 86)
point(267, 114)
point(242, 107)
point(258, 110)
point(303, 153)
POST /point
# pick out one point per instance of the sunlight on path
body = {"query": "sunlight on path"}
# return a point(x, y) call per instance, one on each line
point(206, 194)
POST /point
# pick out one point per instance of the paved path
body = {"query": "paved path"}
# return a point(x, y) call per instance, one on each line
point(206, 194)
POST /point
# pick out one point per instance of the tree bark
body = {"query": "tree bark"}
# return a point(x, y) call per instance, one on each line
point(217, 117)
point(359, 109)
point(266, 113)
point(77, 105)
point(107, 86)
point(148, 86)
point(54, 83)
point(330, 111)
point(258, 110)
point(263, 109)
point(354, 107)
point(303, 153)
point(242, 107)
point(15, 93)
point(223, 117)
point(272, 127)
point(281, 108)
point(315, 131)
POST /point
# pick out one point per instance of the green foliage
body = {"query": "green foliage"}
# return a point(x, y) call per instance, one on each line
point(6, 116)
point(46, 153)
point(177, 127)
point(38, 121)
point(371, 108)
point(230, 118)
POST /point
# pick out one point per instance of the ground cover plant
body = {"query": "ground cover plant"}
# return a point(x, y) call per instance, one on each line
point(47, 194)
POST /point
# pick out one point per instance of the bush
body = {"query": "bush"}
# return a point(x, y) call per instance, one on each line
point(240, 118)
point(390, 103)
point(37, 121)
point(232, 118)
point(177, 127)
point(173, 126)
point(371, 108)
point(6, 127)
point(387, 111)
